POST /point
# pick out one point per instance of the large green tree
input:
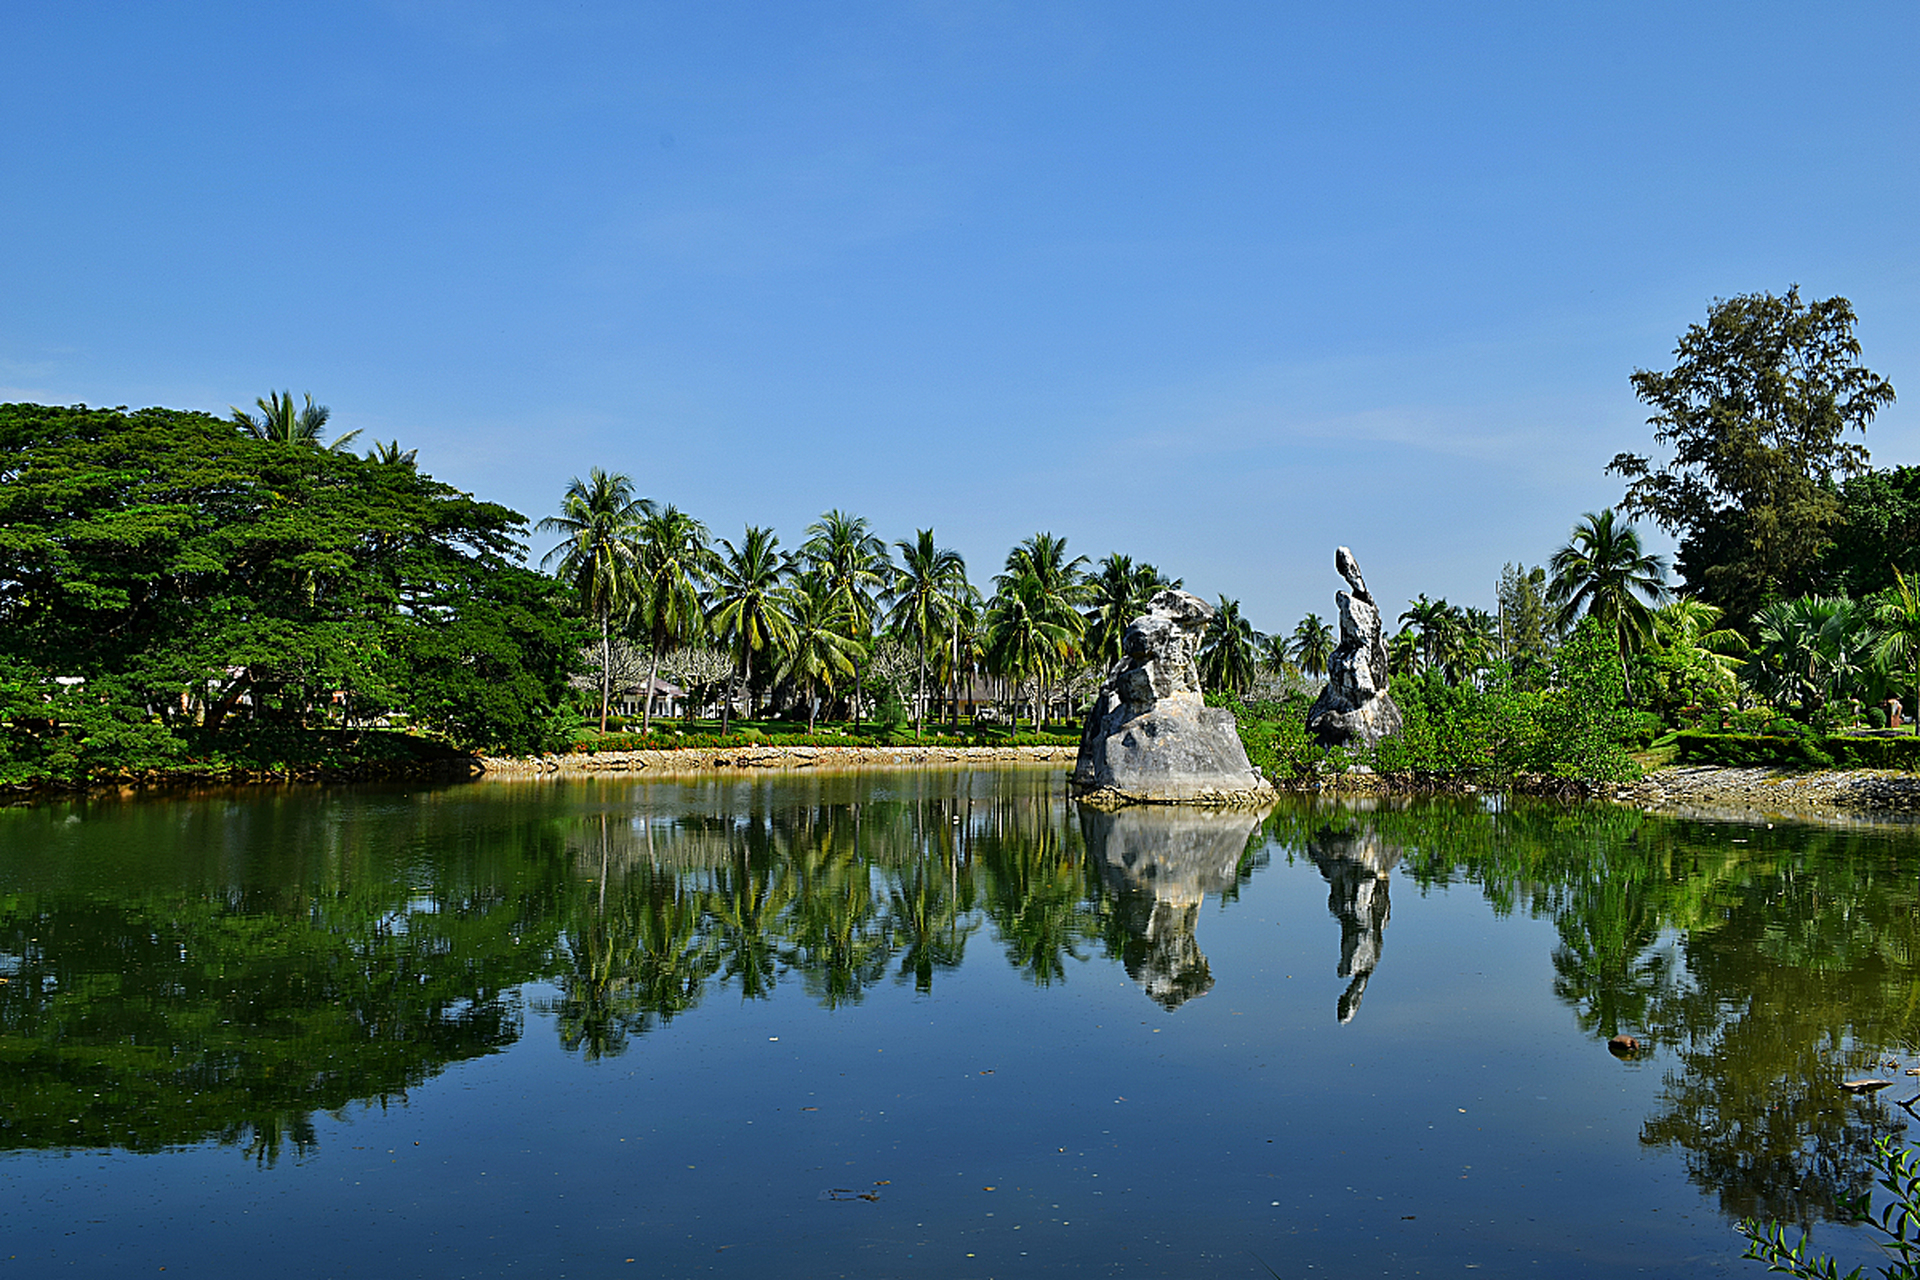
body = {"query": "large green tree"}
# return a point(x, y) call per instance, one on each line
point(193, 576)
point(1758, 410)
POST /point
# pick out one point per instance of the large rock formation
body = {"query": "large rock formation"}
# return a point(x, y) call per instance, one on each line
point(1160, 864)
point(1150, 737)
point(1355, 706)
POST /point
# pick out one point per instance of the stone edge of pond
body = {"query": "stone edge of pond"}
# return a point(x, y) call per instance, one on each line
point(708, 759)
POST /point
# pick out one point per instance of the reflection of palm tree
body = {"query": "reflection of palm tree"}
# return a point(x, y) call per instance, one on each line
point(1037, 893)
point(746, 903)
point(600, 521)
point(749, 605)
point(836, 936)
point(926, 905)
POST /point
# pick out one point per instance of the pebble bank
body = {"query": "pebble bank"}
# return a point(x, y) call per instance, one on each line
point(1723, 791)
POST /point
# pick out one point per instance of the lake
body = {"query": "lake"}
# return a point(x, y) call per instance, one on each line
point(932, 1023)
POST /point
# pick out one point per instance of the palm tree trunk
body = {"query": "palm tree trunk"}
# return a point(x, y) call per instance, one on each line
point(606, 668)
point(653, 673)
point(920, 695)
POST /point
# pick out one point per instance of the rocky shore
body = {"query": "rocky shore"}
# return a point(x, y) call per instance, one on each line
point(1719, 791)
point(703, 760)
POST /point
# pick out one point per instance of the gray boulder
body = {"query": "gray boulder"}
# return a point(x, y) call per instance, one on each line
point(1150, 738)
point(1355, 705)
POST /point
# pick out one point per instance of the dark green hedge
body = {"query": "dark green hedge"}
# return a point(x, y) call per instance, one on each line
point(1753, 749)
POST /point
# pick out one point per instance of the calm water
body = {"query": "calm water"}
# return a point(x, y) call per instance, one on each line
point(929, 1024)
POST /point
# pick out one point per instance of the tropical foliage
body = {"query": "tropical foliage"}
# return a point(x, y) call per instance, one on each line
point(171, 585)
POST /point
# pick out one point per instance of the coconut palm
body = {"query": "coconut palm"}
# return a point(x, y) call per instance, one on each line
point(921, 600)
point(1044, 592)
point(1118, 593)
point(749, 605)
point(1431, 622)
point(820, 649)
point(599, 520)
point(1603, 572)
point(857, 567)
point(1312, 645)
point(388, 453)
point(280, 422)
point(1031, 633)
point(1229, 649)
point(1897, 610)
point(676, 559)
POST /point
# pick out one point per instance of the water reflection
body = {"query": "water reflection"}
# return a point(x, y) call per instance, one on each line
point(1160, 863)
point(1357, 862)
point(227, 968)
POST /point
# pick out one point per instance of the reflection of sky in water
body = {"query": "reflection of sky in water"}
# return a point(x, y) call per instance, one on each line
point(1005, 1126)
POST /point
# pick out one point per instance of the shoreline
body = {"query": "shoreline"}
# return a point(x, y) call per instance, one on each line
point(762, 757)
point(1723, 792)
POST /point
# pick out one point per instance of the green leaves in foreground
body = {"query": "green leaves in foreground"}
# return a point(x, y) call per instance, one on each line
point(1898, 1225)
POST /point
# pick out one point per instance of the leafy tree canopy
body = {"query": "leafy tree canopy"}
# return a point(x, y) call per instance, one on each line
point(183, 573)
point(1757, 408)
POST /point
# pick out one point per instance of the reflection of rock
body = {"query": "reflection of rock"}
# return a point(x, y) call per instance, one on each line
point(1149, 736)
point(1160, 864)
point(1357, 864)
point(1355, 705)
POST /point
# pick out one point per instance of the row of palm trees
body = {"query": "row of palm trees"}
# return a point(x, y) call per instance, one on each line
point(810, 618)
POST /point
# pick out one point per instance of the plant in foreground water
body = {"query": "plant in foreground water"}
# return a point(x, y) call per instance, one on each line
point(1898, 1223)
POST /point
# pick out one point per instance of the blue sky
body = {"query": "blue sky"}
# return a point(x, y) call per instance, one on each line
point(1217, 285)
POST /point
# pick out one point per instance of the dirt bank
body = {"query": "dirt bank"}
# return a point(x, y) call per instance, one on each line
point(704, 760)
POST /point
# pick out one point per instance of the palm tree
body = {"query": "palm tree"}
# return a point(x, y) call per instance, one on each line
point(922, 599)
point(599, 521)
point(1312, 646)
point(749, 605)
point(1229, 649)
point(1118, 593)
point(1044, 592)
point(1031, 632)
point(1602, 572)
point(676, 560)
point(857, 568)
point(389, 454)
point(820, 649)
point(279, 421)
point(1431, 620)
point(1897, 609)
point(1690, 630)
